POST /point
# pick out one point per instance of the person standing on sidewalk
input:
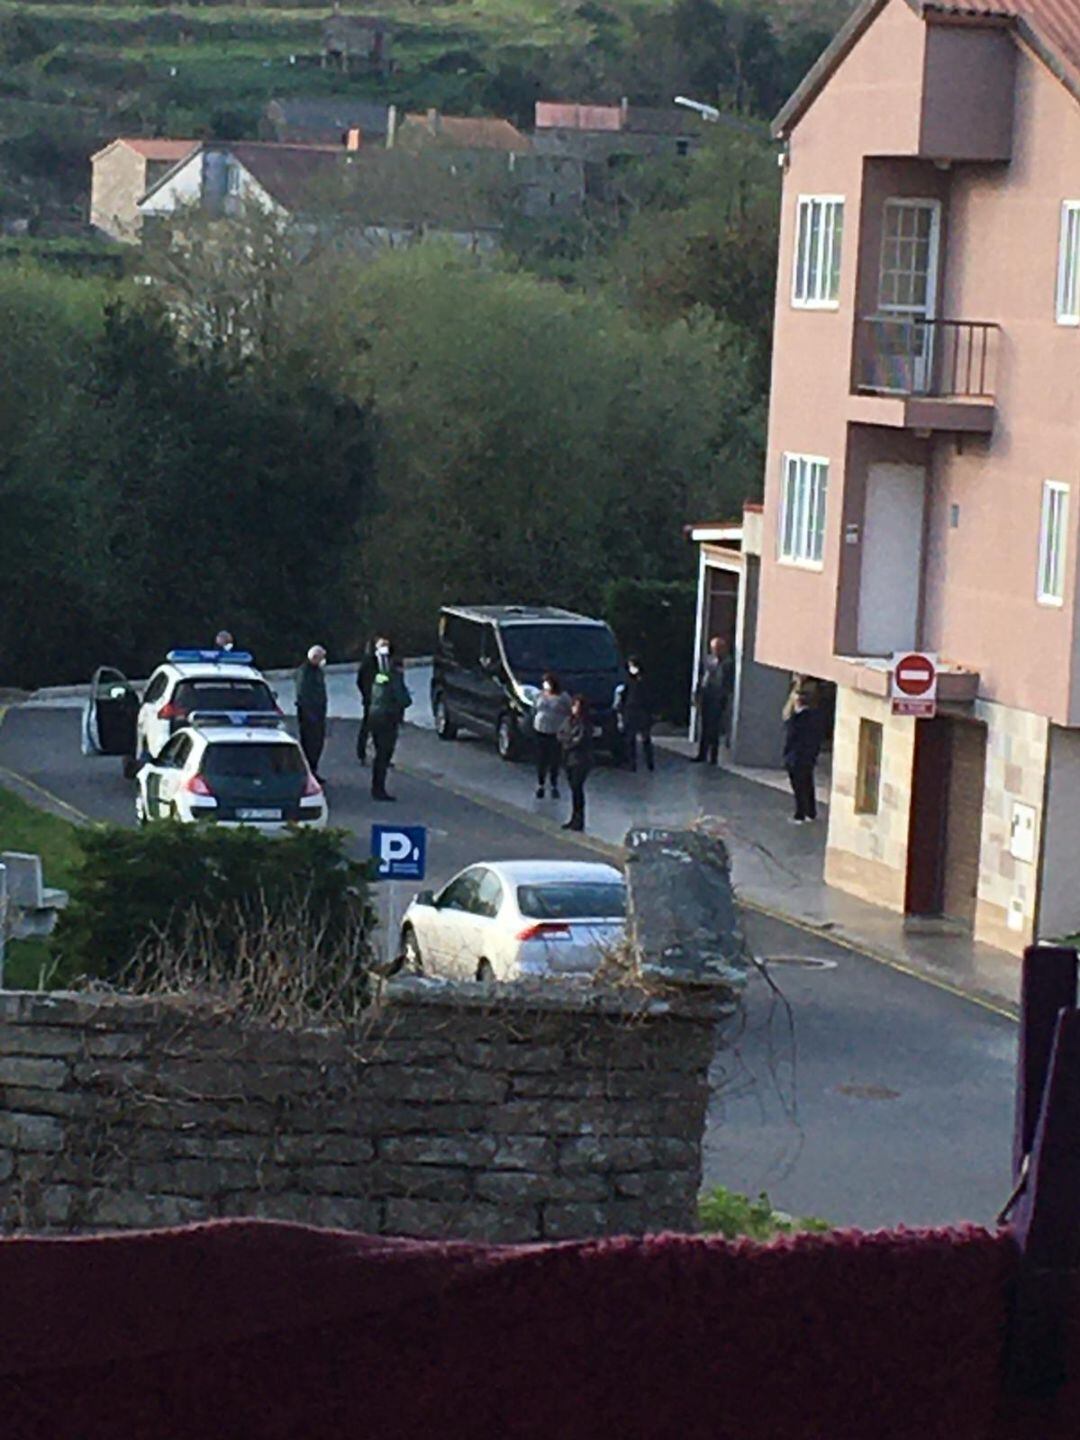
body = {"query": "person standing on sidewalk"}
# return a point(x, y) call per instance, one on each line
point(576, 740)
point(634, 710)
point(390, 699)
point(311, 707)
point(713, 699)
point(802, 741)
point(550, 713)
point(365, 678)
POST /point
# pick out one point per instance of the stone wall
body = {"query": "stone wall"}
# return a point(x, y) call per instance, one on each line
point(486, 1113)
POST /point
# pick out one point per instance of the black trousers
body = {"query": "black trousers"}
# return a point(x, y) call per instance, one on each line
point(577, 775)
point(312, 737)
point(384, 735)
point(712, 725)
point(363, 734)
point(548, 755)
point(630, 739)
point(801, 775)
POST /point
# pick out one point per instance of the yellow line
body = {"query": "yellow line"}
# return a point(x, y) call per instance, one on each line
point(618, 852)
point(48, 795)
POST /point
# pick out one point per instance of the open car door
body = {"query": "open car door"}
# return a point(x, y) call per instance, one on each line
point(111, 711)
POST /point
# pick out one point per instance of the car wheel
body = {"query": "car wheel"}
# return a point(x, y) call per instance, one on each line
point(506, 738)
point(410, 951)
point(445, 727)
point(484, 973)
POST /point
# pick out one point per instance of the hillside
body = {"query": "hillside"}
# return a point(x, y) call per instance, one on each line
point(74, 75)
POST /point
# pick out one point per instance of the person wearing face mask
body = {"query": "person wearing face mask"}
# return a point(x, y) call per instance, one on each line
point(311, 707)
point(223, 640)
point(365, 679)
point(633, 706)
point(390, 699)
point(550, 711)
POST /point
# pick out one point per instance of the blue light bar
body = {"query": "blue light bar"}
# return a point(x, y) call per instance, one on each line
point(209, 657)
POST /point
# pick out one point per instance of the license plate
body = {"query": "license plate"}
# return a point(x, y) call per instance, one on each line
point(258, 814)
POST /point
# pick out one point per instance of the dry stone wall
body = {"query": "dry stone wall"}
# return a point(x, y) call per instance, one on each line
point(452, 1111)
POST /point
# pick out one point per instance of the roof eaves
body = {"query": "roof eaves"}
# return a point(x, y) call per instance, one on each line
point(814, 82)
point(1049, 53)
point(172, 170)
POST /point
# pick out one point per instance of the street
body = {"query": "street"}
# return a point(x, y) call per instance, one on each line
point(857, 1093)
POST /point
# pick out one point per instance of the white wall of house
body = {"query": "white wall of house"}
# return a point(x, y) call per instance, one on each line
point(182, 188)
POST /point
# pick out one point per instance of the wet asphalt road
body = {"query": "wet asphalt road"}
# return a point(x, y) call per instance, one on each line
point(859, 1094)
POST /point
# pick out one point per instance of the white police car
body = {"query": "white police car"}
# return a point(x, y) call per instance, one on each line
point(231, 769)
point(193, 680)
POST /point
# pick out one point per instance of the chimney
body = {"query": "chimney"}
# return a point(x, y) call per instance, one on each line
point(391, 126)
point(624, 110)
point(433, 122)
point(353, 139)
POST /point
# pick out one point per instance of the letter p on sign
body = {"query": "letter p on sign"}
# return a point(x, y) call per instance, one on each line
point(400, 851)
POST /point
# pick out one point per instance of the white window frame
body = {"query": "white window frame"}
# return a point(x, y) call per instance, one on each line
point(1067, 299)
point(817, 295)
point(234, 179)
point(1053, 543)
point(800, 535)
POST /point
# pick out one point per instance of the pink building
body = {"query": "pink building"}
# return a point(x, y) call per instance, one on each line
point(924, 441)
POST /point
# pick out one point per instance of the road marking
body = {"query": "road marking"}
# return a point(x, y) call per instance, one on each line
point(80, 816)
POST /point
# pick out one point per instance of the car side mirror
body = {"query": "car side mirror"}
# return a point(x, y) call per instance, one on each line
point(426, 897)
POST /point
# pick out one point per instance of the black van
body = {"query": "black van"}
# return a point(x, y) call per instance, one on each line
point(490, 659)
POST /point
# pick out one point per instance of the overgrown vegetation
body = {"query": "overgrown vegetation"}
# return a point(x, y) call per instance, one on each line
point(727, 1213)
point(23, 827)
point(184, 900)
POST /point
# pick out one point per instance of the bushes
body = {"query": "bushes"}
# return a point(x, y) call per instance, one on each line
point(727, 1213)
point(137, 889)
point(654, 620)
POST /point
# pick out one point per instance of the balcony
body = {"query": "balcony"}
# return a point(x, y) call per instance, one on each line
point(926, 375)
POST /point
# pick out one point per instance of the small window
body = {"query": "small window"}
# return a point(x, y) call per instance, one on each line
point(802, 509)
point(1068, 280)
point(1052, 537)
point(819, 238)
point(682, 147)
point(868, 776)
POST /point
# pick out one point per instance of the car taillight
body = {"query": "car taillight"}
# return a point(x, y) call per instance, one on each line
point(545, 930)
point(311, 785)
point(197, 784)
point(172, 712)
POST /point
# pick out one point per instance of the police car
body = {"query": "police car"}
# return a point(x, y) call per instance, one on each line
point(231, 768)
point(117, 722)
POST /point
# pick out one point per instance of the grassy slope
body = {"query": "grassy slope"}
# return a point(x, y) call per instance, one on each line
point(24, 828)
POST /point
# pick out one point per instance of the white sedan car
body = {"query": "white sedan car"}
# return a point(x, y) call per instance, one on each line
point(231, 769)
point(504, 920)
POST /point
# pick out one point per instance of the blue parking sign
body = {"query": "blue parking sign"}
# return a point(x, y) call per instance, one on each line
point(400, 850)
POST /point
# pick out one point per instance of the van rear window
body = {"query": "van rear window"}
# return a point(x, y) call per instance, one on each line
point(562, 648)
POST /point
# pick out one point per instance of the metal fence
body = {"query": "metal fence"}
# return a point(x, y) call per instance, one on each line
point(910, 355)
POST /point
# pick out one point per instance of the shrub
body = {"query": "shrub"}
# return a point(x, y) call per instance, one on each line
point(654, 620)
point(136, 889)
point(727, 1213)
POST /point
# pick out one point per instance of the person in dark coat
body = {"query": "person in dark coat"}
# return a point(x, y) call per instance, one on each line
point(634, 709)
point(311, 707)
point(576, 740)
point(390, 699)
point(365, 678)
point(716, 686)
point(802, 741)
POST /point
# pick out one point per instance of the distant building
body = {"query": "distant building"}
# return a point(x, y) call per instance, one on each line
point(121, 175)
point(329, 120)
point(602, 132)
point(456, 132)
point(356, 43)
point(222, 177)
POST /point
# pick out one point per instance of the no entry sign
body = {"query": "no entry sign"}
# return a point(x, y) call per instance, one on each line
point(914, 684)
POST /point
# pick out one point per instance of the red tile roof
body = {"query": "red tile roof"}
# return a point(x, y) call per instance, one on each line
point(152, 148)
point(461, 132)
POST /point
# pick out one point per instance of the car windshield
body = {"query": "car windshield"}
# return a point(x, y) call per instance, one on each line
point(573, 900)
point(251, 761)
point(216, 694)
point(569, 648)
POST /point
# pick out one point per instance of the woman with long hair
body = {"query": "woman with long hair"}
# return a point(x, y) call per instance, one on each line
point(576, 740)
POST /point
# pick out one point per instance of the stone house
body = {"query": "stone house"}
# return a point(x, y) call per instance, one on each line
point(325, 120)
point(121, 175)
point(357, 43)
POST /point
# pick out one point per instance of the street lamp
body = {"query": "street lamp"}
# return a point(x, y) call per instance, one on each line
point(707, 112)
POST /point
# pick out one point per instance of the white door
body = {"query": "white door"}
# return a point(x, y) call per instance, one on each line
point(892, 547)
point(907, 289)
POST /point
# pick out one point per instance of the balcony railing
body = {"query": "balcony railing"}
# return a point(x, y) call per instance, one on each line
point(909, 355)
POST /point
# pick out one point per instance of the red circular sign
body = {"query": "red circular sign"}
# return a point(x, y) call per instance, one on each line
point(915, 674)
